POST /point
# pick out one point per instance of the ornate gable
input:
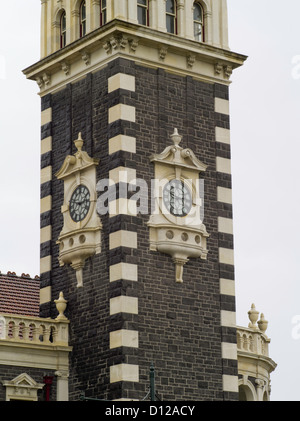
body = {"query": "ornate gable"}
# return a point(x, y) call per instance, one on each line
point(22, 387)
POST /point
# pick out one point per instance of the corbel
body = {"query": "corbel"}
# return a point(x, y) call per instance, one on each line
point(163, 50)
point(65, 67)
point(191, 58)
point(85, 57)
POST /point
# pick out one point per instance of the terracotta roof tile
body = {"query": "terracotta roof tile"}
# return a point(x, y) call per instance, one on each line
point(19, 294)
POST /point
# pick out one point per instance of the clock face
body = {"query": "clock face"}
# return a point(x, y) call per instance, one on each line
point(79, 203)
point(177, 198)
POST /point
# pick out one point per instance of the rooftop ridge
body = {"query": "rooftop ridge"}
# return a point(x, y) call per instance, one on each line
point(22, 276)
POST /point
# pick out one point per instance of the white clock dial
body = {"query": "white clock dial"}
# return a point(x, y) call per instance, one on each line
point(177, 198)
point(79, 203)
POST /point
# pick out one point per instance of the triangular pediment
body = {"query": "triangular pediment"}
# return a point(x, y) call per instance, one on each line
point(23, 380)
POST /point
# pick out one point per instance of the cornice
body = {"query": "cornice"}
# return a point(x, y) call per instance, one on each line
point(257, 359)
point(17, 353)
point(144, 45)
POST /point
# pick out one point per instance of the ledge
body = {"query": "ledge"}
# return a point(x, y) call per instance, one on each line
point(144, 45)
point(254, 360)
point(47, 356)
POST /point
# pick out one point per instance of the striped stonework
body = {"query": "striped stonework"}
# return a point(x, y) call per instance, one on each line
point(226, 254)
point(126, 87)
point(123, 269)
point(46, 206)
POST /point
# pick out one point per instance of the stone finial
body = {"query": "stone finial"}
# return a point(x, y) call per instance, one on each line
point(262, 323)
point(176, 137)
point(79, 142)
point(61, 305)
point(253, 317)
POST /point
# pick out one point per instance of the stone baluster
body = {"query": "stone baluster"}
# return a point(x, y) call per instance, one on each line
point(14, 331)
point(47, 333)
point(25, 332)
point(33, 332)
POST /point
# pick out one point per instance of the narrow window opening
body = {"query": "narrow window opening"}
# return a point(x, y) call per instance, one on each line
point(171, 16)
point(143, 12)
point(82, 19)
point(103, 15)
point(198, 23)
point(63, 30)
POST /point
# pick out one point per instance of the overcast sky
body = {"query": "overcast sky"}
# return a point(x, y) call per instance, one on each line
point(265, 119)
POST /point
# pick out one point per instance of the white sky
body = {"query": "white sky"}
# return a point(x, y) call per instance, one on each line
point(265, 111)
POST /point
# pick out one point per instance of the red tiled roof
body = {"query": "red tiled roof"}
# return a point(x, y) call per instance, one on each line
point(19, 294)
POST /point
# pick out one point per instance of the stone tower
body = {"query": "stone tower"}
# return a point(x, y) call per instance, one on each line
point(134, 91)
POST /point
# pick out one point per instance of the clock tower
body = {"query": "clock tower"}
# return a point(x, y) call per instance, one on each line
point(136, 207)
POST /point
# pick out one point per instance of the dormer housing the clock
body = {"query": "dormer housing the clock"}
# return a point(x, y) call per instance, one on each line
point(65, 21)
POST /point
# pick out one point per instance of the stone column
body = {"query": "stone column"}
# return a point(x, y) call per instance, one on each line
point(62, 393)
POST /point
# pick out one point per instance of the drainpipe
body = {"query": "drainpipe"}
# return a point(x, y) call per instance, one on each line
point(48, 383)
point(152, 383)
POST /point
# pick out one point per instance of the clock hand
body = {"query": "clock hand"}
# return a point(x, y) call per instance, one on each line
point(78, 202)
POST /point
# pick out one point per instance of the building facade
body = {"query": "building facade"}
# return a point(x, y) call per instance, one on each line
point(136, 207)
point(254, 362)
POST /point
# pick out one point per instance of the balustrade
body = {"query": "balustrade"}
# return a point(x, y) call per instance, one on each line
point(35, 330)
point(253, 339)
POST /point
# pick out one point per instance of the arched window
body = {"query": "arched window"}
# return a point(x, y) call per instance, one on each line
point(198, 22)
point(103, 16)
point(143, 12)
point(82, 19)
point(63, 30)
point(171, 16)
point(246, 393)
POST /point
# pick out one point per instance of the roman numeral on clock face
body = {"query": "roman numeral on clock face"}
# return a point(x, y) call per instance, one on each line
point(177, 198)
point(79, 203)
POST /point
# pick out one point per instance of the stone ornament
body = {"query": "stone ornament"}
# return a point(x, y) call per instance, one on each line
point(61, 305)
point(175, 225)
point(22, 387)
point(261, 324)
point(80, 237)
point(253, 317)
